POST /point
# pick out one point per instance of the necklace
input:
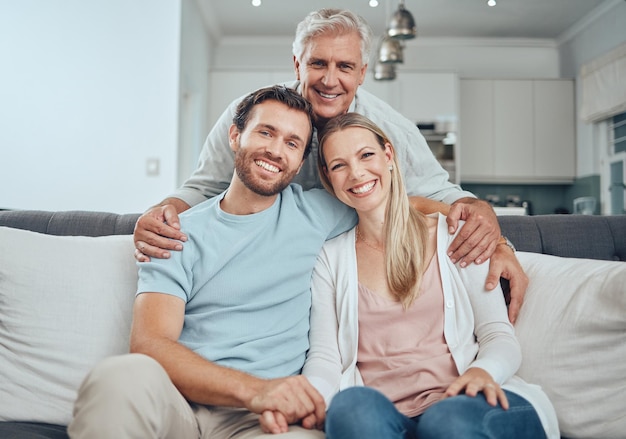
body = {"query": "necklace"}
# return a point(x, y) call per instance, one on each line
point(359, 237)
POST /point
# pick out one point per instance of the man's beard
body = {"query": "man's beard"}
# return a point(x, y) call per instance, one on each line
point(243, 165)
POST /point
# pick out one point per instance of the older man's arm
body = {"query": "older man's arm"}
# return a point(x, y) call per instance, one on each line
point(480, 239)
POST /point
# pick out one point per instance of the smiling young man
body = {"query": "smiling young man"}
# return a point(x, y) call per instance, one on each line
point(220, 329)
point(331, 53)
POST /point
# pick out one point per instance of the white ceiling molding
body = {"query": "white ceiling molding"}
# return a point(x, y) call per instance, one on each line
point(584, 22)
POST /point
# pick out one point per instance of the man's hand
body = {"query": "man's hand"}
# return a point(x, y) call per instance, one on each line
point(287, 401)
point(158, 230)
point(477, 240)
point(504, 263)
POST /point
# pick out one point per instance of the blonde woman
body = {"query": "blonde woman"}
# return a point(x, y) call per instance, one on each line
point(405, 344)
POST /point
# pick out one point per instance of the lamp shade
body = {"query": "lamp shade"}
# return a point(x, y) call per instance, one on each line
point(390, 51)
point(402, 25)
point(384, 71)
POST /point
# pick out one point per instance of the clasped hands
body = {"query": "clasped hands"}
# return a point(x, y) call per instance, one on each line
point(285, 401)
point(294, 400)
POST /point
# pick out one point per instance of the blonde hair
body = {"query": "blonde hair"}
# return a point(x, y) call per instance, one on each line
point(405, 228)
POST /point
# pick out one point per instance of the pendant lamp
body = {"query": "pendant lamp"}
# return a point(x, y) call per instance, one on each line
point(390, 50)
point(384, 71)
point(402, 25)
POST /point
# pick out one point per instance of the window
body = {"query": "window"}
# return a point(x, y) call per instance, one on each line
point(616, 161)
point(619, 133)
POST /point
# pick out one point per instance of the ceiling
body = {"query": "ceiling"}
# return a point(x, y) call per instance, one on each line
point(543, 19)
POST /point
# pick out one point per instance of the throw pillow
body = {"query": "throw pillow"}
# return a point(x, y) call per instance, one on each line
point(65, 303)
point(572, 328)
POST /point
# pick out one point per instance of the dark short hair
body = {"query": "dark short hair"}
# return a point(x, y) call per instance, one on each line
point(279, 93)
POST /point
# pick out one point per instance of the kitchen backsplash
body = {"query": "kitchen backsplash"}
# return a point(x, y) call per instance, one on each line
point(542, 199)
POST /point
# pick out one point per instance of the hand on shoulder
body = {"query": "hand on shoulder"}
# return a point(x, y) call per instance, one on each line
point(157, 231)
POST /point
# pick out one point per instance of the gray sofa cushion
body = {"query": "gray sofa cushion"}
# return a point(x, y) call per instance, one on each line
point(575, 236)
point(572, 236)
point(32, 430)
point(83, 223)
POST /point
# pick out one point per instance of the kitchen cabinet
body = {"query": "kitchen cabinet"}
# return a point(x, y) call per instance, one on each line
point(517, 131)
point(419, 96)
point(429, 98)
point(554, 123)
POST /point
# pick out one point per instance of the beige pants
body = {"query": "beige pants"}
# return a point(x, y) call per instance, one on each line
point(131, 396)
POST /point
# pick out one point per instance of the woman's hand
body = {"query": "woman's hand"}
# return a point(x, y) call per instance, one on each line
point(273, 422)
point(476, 380)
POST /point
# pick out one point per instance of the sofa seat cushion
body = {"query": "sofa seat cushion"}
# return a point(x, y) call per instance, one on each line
point(572, 328)
point(65, 303)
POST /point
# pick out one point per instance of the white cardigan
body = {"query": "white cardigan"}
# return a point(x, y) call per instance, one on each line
point(476, 326)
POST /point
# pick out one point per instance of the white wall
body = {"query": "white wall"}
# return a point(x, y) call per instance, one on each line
point(479, 58)
point(484, 58)
point(196, 51)
point(604, 31)
point(88, 92)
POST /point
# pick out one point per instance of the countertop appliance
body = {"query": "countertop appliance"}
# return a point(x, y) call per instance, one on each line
point(441, 140)
point(510, 210)
point(512, 206)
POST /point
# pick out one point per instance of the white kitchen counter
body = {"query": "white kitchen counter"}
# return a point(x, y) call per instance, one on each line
point(500, 211)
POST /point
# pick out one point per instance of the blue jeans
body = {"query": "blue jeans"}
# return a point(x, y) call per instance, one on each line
point(365, 413)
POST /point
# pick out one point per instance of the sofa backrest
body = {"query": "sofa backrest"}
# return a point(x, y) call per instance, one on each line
point(67, 223)
point(574, 236)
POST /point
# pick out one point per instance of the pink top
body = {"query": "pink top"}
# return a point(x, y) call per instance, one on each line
point(403, 353)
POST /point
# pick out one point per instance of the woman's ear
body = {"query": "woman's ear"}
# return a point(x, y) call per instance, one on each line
point(389, 153)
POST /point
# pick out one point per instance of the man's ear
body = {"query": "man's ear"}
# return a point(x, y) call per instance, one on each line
point(233, 137)
point(300, 167)
point(363, 74)
point(296, 66)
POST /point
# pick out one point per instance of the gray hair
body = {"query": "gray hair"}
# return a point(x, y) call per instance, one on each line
point(334, 21)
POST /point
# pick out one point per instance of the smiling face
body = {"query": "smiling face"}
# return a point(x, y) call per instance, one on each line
point(269, 151)
point(330, 71)
point(357, 167)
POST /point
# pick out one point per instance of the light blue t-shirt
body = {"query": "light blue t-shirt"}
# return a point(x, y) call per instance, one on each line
point(246, 279)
